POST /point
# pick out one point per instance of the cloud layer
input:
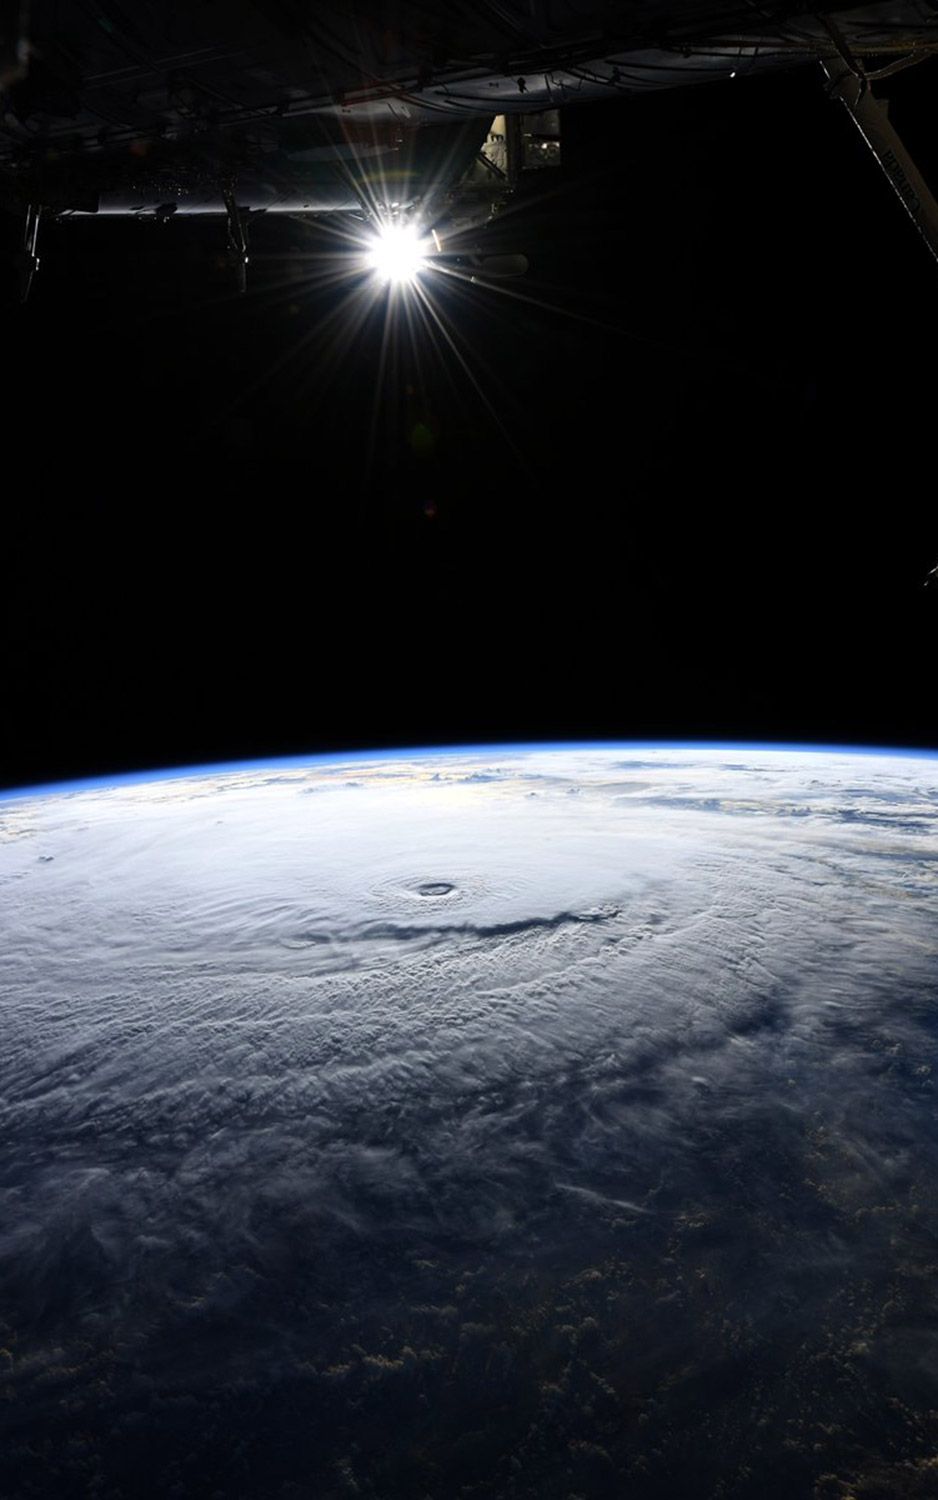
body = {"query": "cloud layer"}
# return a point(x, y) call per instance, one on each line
point(537, 1123)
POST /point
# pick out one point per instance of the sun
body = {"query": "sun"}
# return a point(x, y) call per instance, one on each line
point(396, 254)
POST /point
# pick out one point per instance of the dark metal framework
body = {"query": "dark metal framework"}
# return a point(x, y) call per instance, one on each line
point(237, 107)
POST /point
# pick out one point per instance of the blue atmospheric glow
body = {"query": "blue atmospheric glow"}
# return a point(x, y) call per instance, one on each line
point(408, 752)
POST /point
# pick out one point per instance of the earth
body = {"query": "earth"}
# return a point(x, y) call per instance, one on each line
point(524, 1122)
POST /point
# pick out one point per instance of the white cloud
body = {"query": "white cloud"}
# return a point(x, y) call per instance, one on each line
point(251, 1068)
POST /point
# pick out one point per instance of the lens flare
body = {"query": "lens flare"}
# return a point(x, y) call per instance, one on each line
point(396, 254)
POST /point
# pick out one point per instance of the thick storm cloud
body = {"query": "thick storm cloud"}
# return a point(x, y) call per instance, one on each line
point(444, 1133)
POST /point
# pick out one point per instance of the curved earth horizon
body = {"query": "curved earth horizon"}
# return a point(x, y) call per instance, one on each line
point(525, 1121)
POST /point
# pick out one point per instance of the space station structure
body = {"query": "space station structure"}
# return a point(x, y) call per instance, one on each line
point(234, 109)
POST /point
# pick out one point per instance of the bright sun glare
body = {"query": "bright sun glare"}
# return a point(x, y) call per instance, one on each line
point(396, 254)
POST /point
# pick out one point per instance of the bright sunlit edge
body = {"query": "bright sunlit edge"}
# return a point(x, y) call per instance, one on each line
point(344, 757)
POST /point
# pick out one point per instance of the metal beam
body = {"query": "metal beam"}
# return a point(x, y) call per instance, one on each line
point(849, 84)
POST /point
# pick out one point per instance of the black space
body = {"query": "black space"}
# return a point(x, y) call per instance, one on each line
point(713, 513)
